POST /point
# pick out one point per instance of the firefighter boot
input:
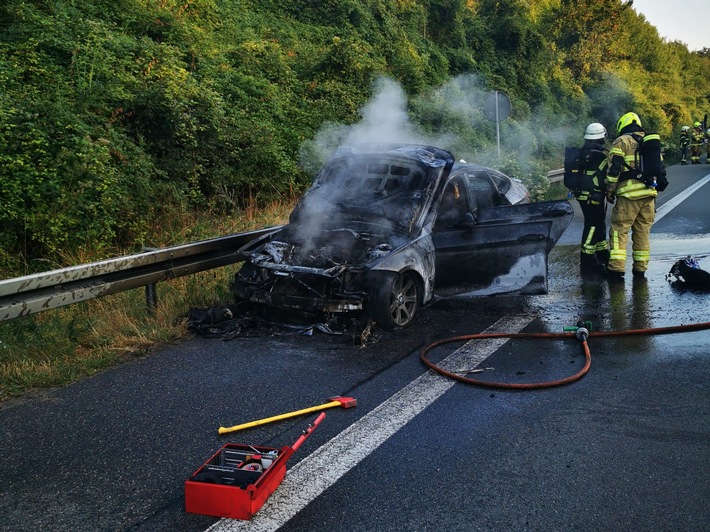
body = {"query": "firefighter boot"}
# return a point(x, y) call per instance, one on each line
point(614, 276)
point(603, 260)
point(589, 265)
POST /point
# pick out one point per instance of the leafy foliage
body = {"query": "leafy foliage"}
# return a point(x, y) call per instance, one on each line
point(116, 115)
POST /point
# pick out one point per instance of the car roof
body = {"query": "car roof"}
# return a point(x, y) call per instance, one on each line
point(427, 155)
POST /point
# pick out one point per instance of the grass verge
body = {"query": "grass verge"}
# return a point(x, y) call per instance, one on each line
point(62, 346)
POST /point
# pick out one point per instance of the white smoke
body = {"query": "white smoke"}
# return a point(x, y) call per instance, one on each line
point(460, 125)
point(384, 118)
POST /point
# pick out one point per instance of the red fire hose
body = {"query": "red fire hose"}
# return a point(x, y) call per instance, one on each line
point(581, 333)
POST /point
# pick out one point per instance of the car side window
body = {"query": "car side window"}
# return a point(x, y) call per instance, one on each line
point(482, 188)
point(453, 206)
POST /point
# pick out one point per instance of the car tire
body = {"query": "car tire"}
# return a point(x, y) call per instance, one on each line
point(394, 299)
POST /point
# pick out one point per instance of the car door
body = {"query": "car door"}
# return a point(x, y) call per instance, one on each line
point(498, 249)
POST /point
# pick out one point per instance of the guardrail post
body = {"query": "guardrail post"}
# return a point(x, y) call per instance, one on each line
point(151, 298)
point(151, 292)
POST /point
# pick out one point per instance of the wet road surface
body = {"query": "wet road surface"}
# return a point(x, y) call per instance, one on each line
point(627, 447)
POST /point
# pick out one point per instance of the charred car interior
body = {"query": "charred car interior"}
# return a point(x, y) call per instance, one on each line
point(389, 229)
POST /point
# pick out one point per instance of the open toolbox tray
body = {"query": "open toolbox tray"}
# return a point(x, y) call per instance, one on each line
point(238, 479)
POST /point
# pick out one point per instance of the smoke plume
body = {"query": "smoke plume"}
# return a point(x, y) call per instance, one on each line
point(532, 141)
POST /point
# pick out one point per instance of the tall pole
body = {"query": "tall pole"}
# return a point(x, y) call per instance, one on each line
point(497, 126)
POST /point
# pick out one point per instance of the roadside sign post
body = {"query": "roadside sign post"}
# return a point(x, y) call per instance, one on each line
point(497, 108)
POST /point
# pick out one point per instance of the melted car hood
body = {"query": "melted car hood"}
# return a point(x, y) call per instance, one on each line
point(329, 248)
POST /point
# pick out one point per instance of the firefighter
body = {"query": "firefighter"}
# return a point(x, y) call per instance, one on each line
point(684, 144)
point(594, 254)
point(697, 136)
point(634, 201)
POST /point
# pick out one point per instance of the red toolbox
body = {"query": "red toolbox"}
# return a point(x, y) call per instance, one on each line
point(238, 479)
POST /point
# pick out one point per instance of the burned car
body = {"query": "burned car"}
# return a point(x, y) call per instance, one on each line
point(389, 229)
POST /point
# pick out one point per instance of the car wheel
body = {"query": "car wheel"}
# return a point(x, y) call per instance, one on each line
point(394, 300)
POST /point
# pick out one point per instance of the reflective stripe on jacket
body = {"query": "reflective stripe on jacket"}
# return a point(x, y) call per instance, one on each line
point(684, 140)
point(696, 137)
point(634, 189)
point(595, 162)
point(621, 175)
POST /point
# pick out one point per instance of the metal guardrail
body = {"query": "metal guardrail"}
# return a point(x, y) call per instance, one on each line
point(30, 294)
point(555, 176)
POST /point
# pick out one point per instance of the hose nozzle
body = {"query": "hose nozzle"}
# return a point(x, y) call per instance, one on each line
point(582, 333)
point(581, 330)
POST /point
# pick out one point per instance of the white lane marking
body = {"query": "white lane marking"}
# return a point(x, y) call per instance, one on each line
point(676, 200)
point(320, 470)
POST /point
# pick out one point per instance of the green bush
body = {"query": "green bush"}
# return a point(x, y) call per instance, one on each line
point(115, 115)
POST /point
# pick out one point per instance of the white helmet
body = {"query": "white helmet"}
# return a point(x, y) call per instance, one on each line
point(685, 128)
point(595, 131)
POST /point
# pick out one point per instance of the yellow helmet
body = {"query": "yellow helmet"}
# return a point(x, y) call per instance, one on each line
point(697, 124)
point(628, 118)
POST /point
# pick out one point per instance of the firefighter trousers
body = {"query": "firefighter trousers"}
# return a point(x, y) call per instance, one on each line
point(695, 153)
point(636, 215)
point(594, 233)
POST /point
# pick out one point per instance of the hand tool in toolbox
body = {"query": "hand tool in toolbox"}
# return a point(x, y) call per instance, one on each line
point(345, 402)
point(238, 479)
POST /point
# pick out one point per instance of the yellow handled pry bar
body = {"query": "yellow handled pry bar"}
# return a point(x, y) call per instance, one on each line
point(345, 402)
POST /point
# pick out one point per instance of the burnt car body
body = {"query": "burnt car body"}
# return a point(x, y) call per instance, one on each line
point(388, 229)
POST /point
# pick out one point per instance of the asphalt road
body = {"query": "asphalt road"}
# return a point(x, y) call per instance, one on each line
point(627, 447)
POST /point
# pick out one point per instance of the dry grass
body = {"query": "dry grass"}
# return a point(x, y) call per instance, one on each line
point(61, 346)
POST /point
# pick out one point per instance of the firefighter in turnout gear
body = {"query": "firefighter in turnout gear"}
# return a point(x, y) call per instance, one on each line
point(696, 142)
point(634, 202)
point(594, 253)
point(684, 144)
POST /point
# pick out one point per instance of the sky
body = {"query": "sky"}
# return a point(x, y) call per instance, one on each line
point(678, 20)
